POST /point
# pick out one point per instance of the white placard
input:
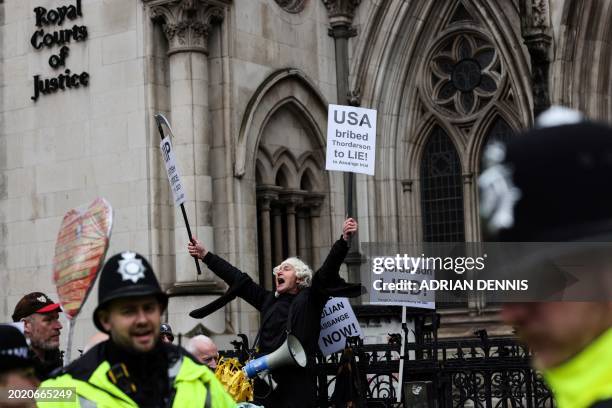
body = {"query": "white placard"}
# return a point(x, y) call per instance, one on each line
point(174, 176)
point(338, 321)
point(351, 139)
point(413, 294)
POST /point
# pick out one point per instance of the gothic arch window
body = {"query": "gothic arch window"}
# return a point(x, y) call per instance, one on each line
point(464, 79)
point(470, 82)
point(306, 182)
point(441, 190)
point(290, 193)
point(282, 177)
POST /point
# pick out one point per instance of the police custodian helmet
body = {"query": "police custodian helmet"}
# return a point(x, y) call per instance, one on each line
point(127, 274)
point(549, 185)
point(165, 328)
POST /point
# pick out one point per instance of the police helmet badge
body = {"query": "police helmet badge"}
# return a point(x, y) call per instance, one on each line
point(130, 267)
point(499, 195)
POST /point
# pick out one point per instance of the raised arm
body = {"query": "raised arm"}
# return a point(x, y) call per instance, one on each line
point(328, 274)
point(249, 291)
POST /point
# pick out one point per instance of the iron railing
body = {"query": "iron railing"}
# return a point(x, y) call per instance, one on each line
point(479, 372)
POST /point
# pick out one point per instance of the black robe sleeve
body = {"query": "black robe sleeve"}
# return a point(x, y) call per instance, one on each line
point(248, 290)
point(327, 281)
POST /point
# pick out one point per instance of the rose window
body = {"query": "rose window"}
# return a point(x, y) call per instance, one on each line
point(466, 73)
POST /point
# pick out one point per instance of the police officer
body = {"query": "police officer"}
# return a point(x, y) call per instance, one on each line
point(133, 368)
point(550, 185)
point(165, 333)
point(16, 365)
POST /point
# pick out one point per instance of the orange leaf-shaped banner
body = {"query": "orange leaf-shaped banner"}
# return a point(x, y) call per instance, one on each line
point(79, 252)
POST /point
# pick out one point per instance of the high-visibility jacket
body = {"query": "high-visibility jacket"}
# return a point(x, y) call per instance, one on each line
point(586, 379)
point(194, 385)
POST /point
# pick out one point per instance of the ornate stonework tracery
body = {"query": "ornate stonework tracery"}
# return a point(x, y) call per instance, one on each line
point(341, 11)
point(465, 73)
point(187, 23)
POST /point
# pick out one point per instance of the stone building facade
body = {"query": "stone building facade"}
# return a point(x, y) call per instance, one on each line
point(246, 85)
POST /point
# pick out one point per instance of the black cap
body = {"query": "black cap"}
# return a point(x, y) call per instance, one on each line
point(127, 274)
point(13, 349)
point(35, 302)
point(549, 185)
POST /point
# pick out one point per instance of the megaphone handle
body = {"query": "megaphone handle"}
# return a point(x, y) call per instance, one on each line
point(264, 377)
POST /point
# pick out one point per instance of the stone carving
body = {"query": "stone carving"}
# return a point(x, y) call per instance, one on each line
point(540, 14)
point(535, 16)
point(187, 23)
point(354, 97)
point(291, 6)
point(538, 46)
point(341, 11)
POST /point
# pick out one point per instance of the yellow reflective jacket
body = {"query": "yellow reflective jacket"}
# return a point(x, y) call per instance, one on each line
point(194, 385)
point(586, 379)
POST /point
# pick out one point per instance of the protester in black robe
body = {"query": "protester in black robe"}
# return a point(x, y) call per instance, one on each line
point(295, 307)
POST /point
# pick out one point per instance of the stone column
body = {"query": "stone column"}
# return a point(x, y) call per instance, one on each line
point(267, 243)
point(278, 235)
point(409, 228)
point(302, 225)
point(264, 213)
point(341, 14)
point(470, 210)
point(186, 25)
point(291, 233)
point(474, 298)
point(536, 31)
point(315, 218)
point(292, 201)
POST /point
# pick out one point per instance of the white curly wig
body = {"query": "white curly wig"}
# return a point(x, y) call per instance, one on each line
point(302, 271)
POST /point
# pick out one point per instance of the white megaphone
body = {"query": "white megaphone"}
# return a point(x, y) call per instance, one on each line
point(290, 353)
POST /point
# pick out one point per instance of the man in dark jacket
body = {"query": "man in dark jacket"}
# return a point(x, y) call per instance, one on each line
point(295, 307)
point(42, 328)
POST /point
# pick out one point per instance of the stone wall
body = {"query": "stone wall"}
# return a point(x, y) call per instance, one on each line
point(239, 77)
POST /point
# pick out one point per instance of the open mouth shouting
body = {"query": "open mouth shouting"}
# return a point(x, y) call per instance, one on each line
point(280, 283)
point(285, 278)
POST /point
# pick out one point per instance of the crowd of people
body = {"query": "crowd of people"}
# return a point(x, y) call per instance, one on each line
point(133, 361)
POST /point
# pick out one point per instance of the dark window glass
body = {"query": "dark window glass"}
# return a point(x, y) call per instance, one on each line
point(441, 190)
